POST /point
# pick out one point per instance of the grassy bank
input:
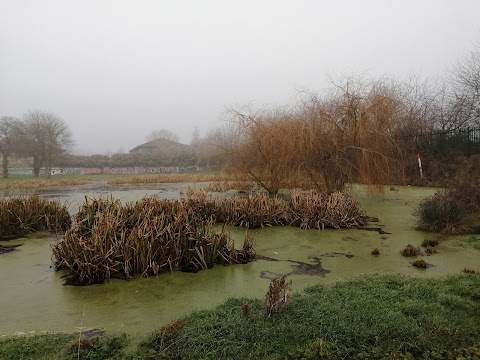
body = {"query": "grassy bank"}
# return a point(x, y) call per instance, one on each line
point(369, 317)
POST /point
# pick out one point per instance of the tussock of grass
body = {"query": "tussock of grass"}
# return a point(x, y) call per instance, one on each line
point(33, 347)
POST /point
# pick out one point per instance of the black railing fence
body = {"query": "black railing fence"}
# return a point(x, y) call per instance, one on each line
point(464, 141)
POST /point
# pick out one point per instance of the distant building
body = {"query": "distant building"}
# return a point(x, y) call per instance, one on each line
point(159, 146)
point(166, 152)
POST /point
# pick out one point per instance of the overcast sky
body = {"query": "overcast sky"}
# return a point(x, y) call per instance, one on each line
point(116, 70)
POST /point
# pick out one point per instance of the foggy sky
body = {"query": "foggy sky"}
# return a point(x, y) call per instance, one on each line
point(115, 70)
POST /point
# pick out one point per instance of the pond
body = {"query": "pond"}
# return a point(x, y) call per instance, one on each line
point(33, 296)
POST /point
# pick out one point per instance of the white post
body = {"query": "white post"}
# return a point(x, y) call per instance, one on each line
point(420, 166)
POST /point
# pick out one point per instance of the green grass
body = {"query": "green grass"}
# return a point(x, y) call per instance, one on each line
point(373, 317)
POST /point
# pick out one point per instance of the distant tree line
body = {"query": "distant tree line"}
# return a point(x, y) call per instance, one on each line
point(178, 158)
point(39, 135)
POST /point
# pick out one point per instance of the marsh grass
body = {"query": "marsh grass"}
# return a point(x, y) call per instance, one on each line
point(21, 215)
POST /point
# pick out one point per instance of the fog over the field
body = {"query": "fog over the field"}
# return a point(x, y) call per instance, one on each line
point(115, 70)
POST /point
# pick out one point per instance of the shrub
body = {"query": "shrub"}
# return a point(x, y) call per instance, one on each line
point(375, 251)
point(448, 211)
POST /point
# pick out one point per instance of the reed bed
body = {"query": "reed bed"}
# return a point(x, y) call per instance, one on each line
point(306, 209)
point(314, 210)
point(146, 237)
point(37, 183)
point(169, 178)
point(154, 235)
point(21, 215)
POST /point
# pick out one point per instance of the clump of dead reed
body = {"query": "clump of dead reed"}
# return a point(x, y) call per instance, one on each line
point(154, 235)
point(410, 250)
point(253, 211)
point(277, 295)
point(420, 263)
point(306, 209)
point(314, 210)
point(21, 215)
point(146, 237)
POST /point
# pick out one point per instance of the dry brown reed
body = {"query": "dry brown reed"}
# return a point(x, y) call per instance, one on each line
point(277, 295)
point(170, 178)
point(314, 210)
point(410, 250)
point(21, 215)
point(420, 263)
point(146, 237)
point(154, 235)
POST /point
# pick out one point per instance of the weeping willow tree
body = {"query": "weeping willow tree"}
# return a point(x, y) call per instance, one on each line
point(265, 147)
point(350, 137)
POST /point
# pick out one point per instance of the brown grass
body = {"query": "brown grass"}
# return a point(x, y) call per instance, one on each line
point(469, 271)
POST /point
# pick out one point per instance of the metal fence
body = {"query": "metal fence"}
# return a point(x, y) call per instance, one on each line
point(464, 141)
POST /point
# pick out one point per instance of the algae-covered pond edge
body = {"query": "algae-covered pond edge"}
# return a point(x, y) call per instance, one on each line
point(137, 306)
point(371, 316)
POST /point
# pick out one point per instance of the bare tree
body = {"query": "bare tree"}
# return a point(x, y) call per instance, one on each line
point(349, 137)
point(213, 150)
point(45, 136)
point(8, 133)
point(162, 134)
point(265, 147)
point(465, 78)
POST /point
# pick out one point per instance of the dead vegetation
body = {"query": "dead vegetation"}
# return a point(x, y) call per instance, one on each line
point(410, 250)
point(154, 235)
point(25, 214)
point(277, 296)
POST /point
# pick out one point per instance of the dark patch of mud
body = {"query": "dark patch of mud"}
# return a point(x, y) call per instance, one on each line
point(380, 230)
point(266, 258)
point(8, 248)
point(269, 275)
point(335, 254)
point(302, 268)
point(299, 268)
